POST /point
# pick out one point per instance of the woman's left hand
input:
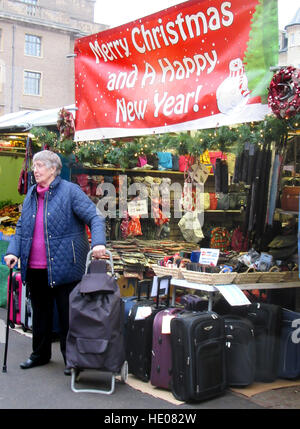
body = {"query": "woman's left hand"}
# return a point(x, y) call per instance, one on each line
point(99, 251)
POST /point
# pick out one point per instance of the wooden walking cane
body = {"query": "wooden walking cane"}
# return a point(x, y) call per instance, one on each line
point(4, 369)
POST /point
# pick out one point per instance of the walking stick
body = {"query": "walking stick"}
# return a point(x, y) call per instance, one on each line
point(7, 320)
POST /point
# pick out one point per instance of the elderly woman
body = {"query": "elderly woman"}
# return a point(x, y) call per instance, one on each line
point(52, 243)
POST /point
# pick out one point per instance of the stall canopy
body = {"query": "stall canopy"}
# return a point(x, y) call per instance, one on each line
point(24, 120)
point(200, 64)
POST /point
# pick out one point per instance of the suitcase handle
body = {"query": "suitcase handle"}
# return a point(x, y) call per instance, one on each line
point(89, 260)
point(140, 284)
point(159, 279)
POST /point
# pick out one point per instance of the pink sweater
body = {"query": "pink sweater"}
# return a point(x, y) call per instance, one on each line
point(38, 257)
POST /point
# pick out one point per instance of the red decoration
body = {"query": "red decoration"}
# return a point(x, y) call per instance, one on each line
point(65, 124)
point(284, 92)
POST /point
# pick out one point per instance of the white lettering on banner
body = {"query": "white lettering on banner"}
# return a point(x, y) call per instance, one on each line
point(181, 71)
point(190, 26)
point(122, 79)
point(176, 105)
point(131, 110)
point(111, 50)
point(147, 40)
point(149, 74)
point(296, 332)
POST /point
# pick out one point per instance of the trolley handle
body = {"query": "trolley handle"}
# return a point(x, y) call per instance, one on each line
point(90, 257)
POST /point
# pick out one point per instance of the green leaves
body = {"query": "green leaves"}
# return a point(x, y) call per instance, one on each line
point(125, 152)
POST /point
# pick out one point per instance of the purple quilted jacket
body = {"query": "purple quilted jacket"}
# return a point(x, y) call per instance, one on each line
point(67, 209)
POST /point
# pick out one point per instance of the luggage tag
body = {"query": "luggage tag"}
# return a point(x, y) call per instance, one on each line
point(166, 324)
point(143, 312)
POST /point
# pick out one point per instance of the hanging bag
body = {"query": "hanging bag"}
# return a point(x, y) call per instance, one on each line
point(26, 178)
point(220, 239)
point(190, 227)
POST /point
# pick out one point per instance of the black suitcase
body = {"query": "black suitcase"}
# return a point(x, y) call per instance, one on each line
point(139, 332)
point(198, 355)
point(266, 319)
point(240, 351)
point(289, 356)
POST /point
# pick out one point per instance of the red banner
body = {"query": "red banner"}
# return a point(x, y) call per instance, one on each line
point(179, 69)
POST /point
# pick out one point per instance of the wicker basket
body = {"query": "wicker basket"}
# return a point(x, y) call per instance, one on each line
point(273, 276)
point(208, 278)
point(167, 271)
point(292, 276)
point(249, 276)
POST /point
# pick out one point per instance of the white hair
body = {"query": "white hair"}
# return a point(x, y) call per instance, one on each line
point(50, 159)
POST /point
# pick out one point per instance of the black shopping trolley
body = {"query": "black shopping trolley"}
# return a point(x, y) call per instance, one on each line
point(96, 325)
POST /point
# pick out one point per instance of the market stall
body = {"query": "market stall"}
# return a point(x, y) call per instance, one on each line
point(195, 184)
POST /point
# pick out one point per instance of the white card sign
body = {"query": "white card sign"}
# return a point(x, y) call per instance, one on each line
point(137, 208)
point(209, 257)
point(233, 294)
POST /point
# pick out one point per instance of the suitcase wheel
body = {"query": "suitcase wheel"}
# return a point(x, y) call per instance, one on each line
point(11, 325)
point(24, 328)
point(124, 372)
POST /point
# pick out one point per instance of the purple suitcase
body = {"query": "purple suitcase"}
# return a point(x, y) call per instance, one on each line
point(194, 302)
point(161, 360)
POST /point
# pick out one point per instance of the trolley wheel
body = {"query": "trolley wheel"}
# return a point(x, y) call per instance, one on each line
point(24, 329)
point(124, 372)
point(11, 324)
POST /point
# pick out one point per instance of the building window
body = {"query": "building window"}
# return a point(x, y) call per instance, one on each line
point(292, 39)
point(32, 83)
point(31, 8)
point(29, 1)
point(32, 45)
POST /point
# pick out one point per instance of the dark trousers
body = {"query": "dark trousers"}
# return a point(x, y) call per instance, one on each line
point(42, 301)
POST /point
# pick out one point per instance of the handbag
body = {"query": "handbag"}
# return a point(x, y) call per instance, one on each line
point(142, 160)
point(220, 239)
point(223, 202)
point(26, 178)
point(198, 173)
point(153, 160)
point(164, 160)
point(175, 162)
point(185, 161)
point(233, 201)
point(239, 241)
point(213, 201)
point(206, 201)
point(190, 227)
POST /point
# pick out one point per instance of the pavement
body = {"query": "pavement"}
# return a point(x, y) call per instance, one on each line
point(47, 388)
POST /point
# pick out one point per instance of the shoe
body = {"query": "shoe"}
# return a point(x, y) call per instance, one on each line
point(67, 371)
point(29, 363)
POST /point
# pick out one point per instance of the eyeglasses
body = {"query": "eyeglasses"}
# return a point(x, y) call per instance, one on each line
point(38, 166)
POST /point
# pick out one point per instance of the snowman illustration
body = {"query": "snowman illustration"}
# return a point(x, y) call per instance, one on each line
point(233, 93)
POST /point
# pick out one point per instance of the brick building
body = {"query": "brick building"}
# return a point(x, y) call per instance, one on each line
point(35, 38)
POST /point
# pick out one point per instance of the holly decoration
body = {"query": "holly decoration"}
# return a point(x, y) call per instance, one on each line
point(65, 124)
point(43, 137)
point(284, 93)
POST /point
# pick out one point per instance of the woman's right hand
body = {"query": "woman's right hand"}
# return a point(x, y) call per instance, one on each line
point(10, 260)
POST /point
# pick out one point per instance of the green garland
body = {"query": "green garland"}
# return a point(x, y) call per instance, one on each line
point(47, 139)
point(124, 153)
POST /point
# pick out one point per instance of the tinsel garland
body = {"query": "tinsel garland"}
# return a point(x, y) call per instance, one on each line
point(284, 93)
